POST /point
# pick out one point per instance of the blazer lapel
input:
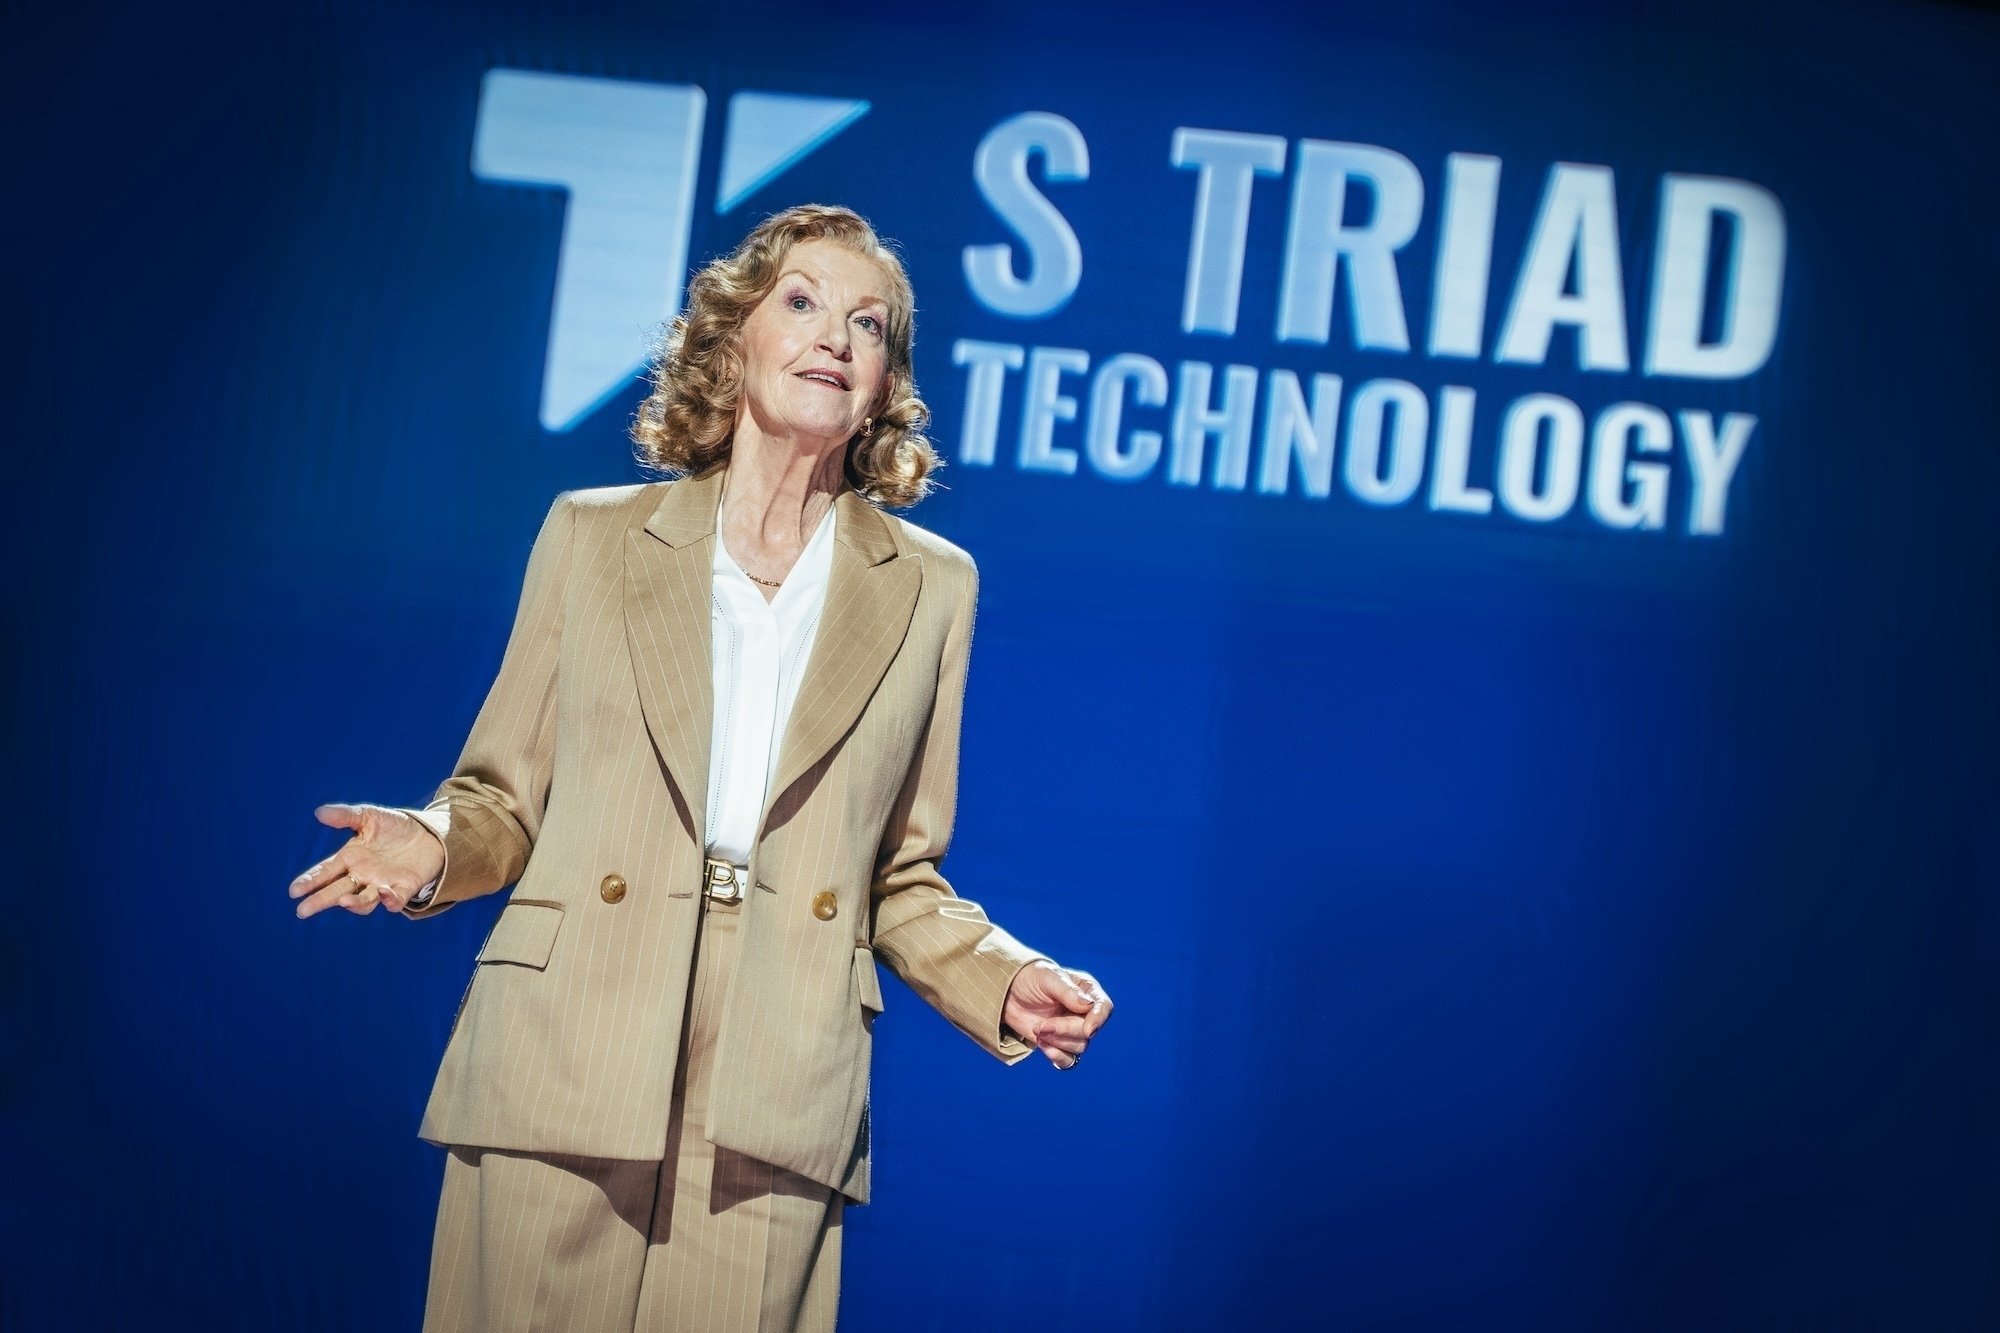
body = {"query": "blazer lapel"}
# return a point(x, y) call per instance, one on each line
point(871, 593)
point(669, 572)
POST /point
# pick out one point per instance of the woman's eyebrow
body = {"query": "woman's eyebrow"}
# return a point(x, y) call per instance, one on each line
point(882, 301)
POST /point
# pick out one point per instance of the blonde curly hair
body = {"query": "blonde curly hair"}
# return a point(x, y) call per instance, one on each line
point(686, 425)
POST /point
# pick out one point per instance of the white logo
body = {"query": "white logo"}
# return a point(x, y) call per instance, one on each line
point(628, 154)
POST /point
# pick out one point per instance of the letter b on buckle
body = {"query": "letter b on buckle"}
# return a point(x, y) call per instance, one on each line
point(722, 883)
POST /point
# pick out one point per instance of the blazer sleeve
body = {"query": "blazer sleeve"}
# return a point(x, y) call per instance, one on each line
point(489, 811)
point(943, 946)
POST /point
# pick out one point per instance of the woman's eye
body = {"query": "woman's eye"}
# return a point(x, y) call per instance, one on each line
point(799, 302)
point(870, 323)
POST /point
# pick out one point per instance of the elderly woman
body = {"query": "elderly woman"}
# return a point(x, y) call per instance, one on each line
point(719, 764)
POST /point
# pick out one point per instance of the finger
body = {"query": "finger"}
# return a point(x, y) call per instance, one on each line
point(317, 902)
point(390, 894)
point(336, 815)
point(333, 895)
point(1061, 1041)
point(1100, 1003)
point(1074, 999)
point(1060, 1059)
point(362, 903)
point(1095, 1019)
point(1091, 986)
point(321, 875)
point(1069, 1027)
point(1100, 1010)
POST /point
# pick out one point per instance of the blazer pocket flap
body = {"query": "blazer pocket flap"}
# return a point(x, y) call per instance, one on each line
point(524, 934)
point(867, 984)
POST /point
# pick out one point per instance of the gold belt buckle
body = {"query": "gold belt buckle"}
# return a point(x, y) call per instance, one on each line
point(720, 881)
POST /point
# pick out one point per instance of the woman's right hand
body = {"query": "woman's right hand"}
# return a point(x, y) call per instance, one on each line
point(390, 857)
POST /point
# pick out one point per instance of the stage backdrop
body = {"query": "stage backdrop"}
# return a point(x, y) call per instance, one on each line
point(1488, 533)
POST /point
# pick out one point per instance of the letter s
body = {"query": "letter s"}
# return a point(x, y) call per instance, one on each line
point(1000, 168)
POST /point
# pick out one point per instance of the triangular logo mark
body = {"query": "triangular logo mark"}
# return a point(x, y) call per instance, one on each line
point(768, 132)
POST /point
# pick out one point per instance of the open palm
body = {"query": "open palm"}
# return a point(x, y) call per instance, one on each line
point(390, 857)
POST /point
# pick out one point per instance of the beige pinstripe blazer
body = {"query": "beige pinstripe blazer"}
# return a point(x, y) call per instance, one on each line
point(589, 760)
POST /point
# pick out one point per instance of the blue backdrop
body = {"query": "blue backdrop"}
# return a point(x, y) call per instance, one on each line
point(1490, 560)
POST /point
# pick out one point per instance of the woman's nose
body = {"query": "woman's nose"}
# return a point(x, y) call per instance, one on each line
point(835, 340)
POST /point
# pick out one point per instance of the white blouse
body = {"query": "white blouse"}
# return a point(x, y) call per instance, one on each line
point(760, 650)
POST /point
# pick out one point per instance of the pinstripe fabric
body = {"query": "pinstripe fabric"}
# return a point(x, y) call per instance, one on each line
point(704, 1241)
point(589, 759)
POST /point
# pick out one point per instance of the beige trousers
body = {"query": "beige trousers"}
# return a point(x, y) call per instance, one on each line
point(706, 1241)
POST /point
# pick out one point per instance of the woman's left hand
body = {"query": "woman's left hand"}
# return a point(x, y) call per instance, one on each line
point(1056, 1009)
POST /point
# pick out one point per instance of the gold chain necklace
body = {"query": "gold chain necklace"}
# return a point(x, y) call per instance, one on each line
point(766, 582)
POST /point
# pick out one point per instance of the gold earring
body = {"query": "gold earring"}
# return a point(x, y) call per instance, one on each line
point(867, 426)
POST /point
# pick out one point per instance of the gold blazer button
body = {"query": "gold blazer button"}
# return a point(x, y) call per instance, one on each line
point(612, 890)
point(825, 906)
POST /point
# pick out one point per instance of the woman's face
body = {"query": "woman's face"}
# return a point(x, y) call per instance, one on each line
point(815, 349)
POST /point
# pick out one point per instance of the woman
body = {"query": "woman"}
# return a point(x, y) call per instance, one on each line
point(720, 759)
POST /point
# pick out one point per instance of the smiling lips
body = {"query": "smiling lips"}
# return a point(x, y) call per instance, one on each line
point(832, 378)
